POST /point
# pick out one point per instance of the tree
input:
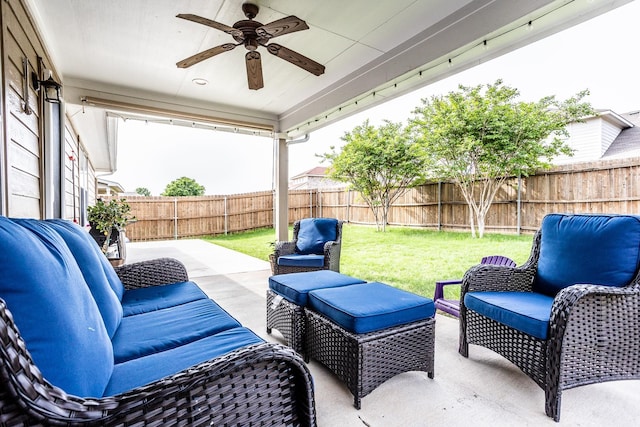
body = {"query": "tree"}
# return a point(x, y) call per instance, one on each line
point(379, 163)
point(143, 191)
point(183, 187)
point(478, 137)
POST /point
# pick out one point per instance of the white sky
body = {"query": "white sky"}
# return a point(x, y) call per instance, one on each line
point(600, 55)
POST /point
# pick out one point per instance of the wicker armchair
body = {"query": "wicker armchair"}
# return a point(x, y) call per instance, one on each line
point(262, 384)
point(326, 258)
point(592, 330)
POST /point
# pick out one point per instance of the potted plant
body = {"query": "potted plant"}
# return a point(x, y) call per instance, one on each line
point(107, 220)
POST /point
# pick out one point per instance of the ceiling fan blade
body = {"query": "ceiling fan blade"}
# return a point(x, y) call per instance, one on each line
point(287, 25)
point(296, 58)
point(213, 24)
point(199, 57)
point(254, 70)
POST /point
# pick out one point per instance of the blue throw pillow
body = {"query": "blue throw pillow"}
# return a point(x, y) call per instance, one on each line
point(81, 245)
point(589, 249)
point(314, 233)
point(54, 311)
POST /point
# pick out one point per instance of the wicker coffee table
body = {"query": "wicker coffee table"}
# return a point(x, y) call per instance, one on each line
point(364, 360)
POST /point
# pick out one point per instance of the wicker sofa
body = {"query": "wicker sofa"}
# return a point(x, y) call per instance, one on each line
point(82, 343)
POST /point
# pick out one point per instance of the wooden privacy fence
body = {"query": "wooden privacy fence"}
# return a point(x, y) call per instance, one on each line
point(599, 187)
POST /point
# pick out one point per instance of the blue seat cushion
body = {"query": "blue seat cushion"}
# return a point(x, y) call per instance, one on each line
point(112, 276)
point(144, 370)
point(82, 246)
point(370, 307)
point(152, 298)
point(314, 233)
point(295, 287)
point(147, 333)
point(589, 249)
point(528, 312)
point(54, 310)
point(297, 260)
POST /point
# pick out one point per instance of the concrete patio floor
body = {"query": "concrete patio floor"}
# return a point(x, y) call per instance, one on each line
point(483, 390)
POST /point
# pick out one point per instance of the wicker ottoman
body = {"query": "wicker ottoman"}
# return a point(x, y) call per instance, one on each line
point(369, 333)
point(287, 296)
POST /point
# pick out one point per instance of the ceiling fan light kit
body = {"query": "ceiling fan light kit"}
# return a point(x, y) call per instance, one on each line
point(253, 34)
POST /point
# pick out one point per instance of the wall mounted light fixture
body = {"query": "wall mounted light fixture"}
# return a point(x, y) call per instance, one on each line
point(50, 87)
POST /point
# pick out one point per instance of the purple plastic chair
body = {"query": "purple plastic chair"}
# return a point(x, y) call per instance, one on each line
point(452, 306)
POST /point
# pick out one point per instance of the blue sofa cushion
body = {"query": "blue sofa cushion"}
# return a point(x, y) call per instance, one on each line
point(54, 310)
point(370, 307)
point(528, 312)
point(144, 370)
point(314, 233)
point(152, 298)
point(112, 276)
point(160, 330)
point(295, 287)
point(591, 249)
point(297, 260)
point(81, 246)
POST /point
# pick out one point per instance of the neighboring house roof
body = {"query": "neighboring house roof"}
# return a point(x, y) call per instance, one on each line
point(626, 144)
point(312, 179)
point(109, 187)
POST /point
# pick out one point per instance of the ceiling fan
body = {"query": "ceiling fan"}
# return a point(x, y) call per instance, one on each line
point(253, 34)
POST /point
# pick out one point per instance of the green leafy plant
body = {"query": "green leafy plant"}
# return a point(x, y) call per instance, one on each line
point(105, 217)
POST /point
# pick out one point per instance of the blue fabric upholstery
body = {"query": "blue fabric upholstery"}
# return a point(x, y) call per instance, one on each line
point(144, 370)
point(314, 233)
point(54, 310)
point(591, 249)
point(81, 246)
point(528, 312)
point(370, 307)
point(112, 277)
point(297, 260)
point(295, 287)
point(160, 330)
point(144, 300)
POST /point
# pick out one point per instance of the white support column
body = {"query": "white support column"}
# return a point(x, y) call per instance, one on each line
point(282, 189)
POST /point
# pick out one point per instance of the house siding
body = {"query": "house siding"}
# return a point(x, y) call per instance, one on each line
point(586, 141)
point(21, 141)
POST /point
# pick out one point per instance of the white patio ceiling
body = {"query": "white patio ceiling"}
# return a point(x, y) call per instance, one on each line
point(120, 56)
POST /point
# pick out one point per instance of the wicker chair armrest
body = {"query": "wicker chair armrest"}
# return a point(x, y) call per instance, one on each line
point(160, 271)
point(284, 248)
point(486, 277)
point(208, 391)
point(332, 255)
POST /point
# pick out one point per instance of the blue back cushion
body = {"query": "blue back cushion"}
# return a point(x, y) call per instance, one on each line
point(54, 310)
point(591, 249)
point(81, 245)
point(112, 277)
point(314, 233)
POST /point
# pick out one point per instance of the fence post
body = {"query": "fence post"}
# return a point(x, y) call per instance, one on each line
point(519, 204)
point(439, 205)
point(175, 218)
point(310, 203)
point(348, 205)
point(319, 195)
point(226, 217)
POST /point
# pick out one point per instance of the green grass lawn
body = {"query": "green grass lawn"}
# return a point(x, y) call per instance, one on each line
point(408, 258)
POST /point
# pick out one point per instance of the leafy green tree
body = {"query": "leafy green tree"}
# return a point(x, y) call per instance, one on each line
point(143, 191)
point(183, 187)
point(480, 136)
point(379, 163)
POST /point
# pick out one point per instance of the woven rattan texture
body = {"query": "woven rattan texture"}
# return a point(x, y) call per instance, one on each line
point(331, 253)
point(159, 271)
point(594, 331)
point(364, 361)
point(288, 319)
